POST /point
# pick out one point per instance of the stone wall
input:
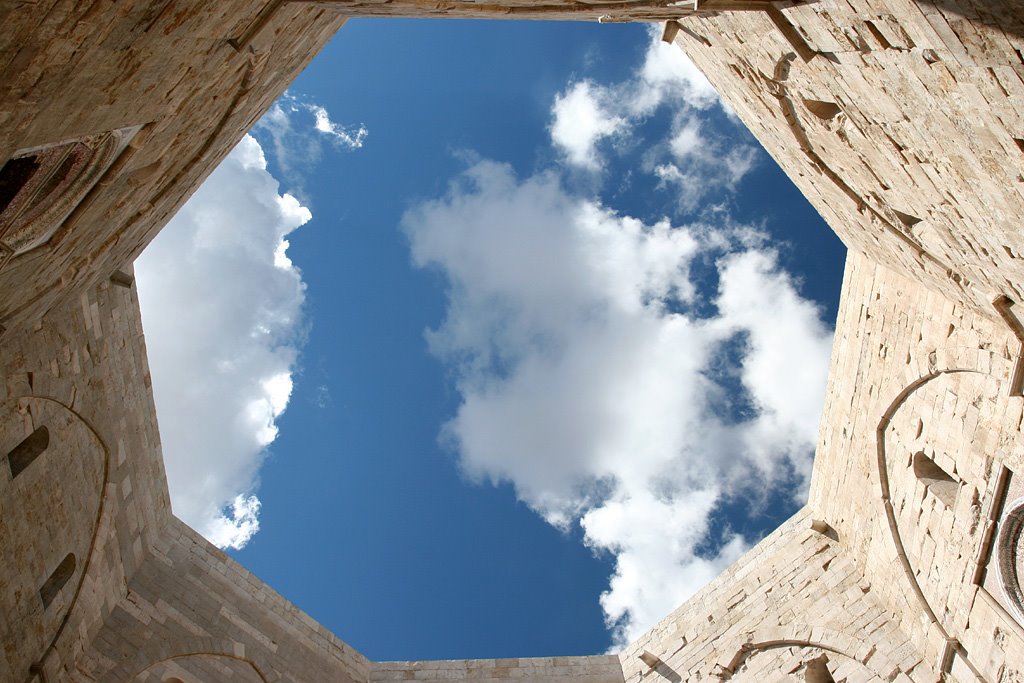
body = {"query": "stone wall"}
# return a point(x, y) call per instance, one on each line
point(592, 669)
point(796, 596)
point(96, 491)
point(192, 612)
point(899, 121)
point(919, 383)
point(180, 80)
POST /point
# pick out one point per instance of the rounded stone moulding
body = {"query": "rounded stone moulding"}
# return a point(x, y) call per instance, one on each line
point(1010, 557)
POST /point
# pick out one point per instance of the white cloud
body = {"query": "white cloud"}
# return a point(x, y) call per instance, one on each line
point(580, 119)
point(588, 382)
point(236, 525)
point(668, 74)
point(222, 308)
point(695, 161)
point(351, 137)
point(296, 129)
point(702, 164)
point(789, 348)
point(687, 140)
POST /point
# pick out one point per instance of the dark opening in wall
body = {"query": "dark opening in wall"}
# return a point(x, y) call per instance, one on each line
point(122, 279)
point(882, 40)
point(42, 187)
point(816, 671)
point(22, 455)
point(907, 219)
point(60, 576)
point(14, 176)
point(826, 111)
point(936, 480)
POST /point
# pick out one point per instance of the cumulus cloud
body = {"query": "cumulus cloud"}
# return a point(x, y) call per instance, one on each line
point(222, 308)
point(668, 74)
point(591, 375)
point(581, 117)
point(697, 159)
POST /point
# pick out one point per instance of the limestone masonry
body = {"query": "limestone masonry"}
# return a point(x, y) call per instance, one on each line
point(902, 122)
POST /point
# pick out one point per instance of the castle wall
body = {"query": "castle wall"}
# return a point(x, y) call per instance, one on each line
point(148, 598)
point(96, 491)
point(899, 121)
point(192, 612)
point(918, 389)
point(794, 597)
point(590, 669)
point(937, 379)
point(177, 82)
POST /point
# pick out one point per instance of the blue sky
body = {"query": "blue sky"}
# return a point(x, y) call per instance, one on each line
point(494, 339)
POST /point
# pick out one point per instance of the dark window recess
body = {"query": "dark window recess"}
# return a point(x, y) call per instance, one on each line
point(22, 455)
point(936, 480)
point(60, 576)
point(14, 176)
point(825, 111)
point(817, 671)
point(907, 219)
point(122, 279)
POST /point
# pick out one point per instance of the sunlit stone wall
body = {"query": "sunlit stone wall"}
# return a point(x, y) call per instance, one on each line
point(901, 123)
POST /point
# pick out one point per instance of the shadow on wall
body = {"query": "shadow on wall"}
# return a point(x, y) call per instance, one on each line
point(1005, 15)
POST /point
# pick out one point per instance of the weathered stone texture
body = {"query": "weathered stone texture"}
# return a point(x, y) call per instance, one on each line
point(593, 669)
point(191, 606)
point(163, 70)
point(900, 121)
point(938, 376)
point(795, 596)
point(552, 10)
point(96, 491)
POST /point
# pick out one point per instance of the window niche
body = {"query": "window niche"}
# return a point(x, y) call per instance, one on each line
point(936, 480)
point(57, 580)
point(14, 176)
point(40, 186)
point(826, 111)
point(816, 671)
point(30, 448)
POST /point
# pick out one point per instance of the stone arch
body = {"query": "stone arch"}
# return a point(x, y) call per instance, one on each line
point(160, 651)
point(839, 647)
point(60, 500)
point(201, 667)
point(882, 471)
point(980, 369)
point(821, 130)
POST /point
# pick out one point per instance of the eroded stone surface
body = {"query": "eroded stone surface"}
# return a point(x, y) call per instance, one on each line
point(900, 121)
